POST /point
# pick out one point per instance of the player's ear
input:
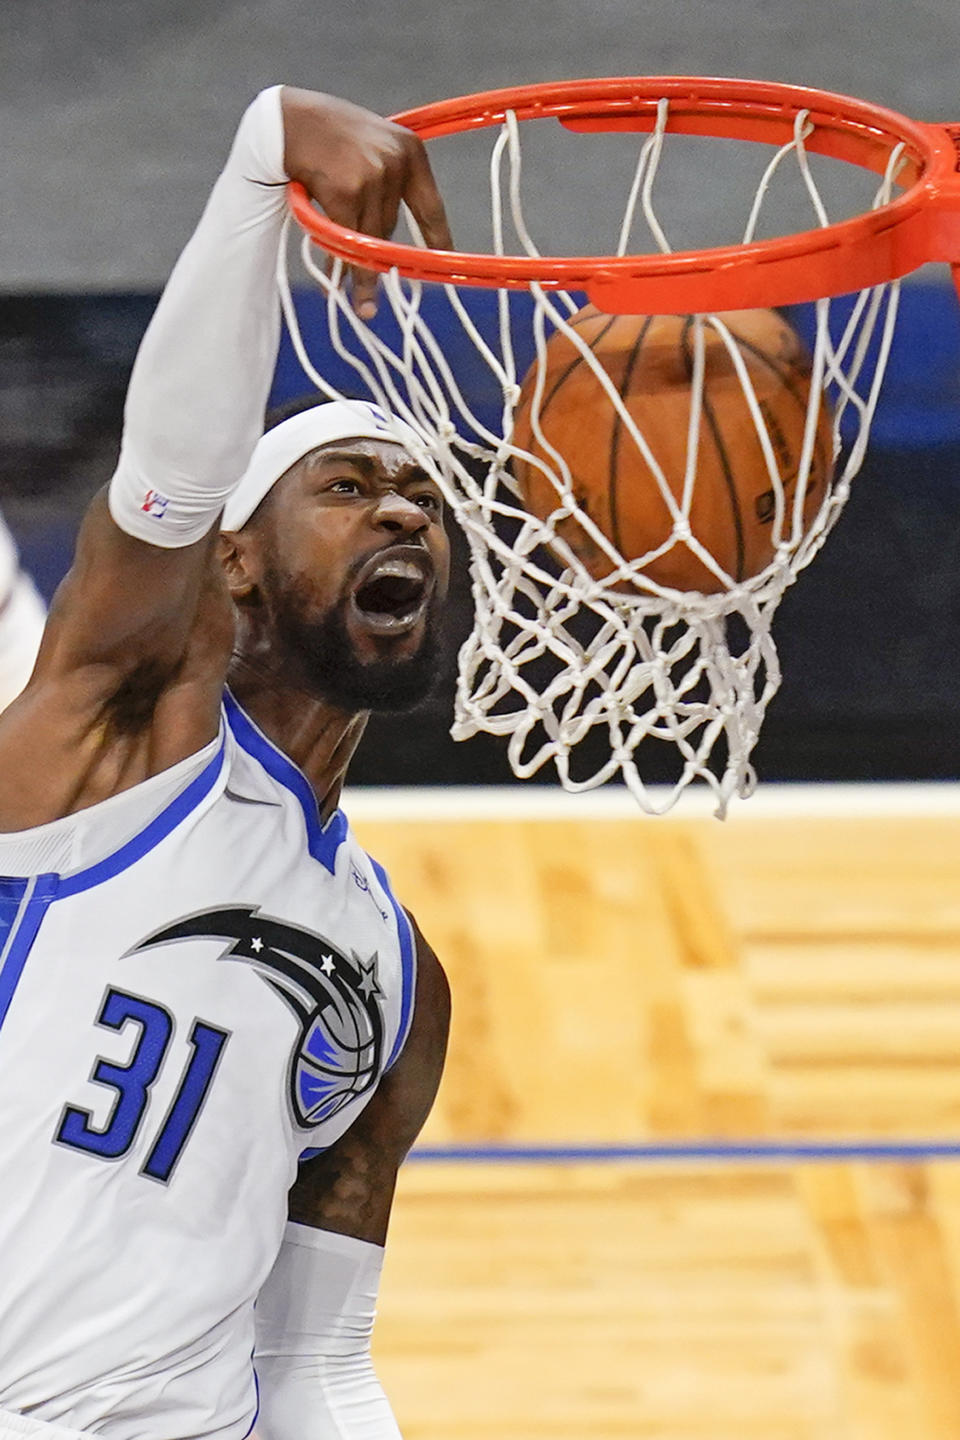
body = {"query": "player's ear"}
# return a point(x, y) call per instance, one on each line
point(234, 554)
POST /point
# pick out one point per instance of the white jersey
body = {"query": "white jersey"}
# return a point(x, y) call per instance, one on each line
point(198, 983)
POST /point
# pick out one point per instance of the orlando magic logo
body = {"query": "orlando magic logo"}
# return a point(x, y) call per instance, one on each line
point(335, 999)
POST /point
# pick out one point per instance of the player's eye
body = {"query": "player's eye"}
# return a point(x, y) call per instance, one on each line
point(429, 501)
point(344, 486)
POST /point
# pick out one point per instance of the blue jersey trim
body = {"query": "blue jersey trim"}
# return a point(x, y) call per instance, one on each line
point(407, 965)
point(22, 934)
point(256, 1396)
point(11, 895)
point(323, 841)
point(158, 829)
point(24, 922)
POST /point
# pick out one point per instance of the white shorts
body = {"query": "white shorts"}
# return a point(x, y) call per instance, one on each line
point(21, 1427)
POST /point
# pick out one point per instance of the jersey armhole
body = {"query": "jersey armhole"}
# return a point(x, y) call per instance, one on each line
point(408, 965)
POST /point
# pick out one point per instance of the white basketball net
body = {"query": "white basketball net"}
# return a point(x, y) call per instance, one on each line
point(556, 655)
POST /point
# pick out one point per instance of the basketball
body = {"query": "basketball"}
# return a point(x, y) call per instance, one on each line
point(650, 361)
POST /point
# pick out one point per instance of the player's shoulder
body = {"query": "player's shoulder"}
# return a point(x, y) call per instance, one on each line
point(433, 988)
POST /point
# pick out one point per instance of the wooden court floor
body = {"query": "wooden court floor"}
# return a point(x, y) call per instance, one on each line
point(787, 976)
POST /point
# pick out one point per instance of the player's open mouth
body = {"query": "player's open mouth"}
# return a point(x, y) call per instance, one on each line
point(393, 590)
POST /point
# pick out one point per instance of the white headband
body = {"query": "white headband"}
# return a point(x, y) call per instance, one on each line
point(288, 442)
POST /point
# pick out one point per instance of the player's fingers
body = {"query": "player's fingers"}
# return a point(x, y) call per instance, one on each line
point(346, 206)
point(423, 198)
point(363, 291)
point(370, 205)
point(378, 210)
point(385, 207)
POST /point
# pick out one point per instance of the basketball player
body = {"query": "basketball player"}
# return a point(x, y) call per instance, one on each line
point(203, 978)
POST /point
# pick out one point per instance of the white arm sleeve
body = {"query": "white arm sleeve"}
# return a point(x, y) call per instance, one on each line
point(314, 1319)
point(200, 382)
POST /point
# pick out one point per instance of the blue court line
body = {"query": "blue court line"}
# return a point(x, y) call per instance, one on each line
point(727, 1151)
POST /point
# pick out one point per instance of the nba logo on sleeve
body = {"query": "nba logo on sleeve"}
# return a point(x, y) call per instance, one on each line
point(154, 504)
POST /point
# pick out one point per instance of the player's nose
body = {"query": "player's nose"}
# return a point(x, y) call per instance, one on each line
point(395, 512)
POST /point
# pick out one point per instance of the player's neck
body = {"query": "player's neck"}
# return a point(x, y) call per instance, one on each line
point(319, 738)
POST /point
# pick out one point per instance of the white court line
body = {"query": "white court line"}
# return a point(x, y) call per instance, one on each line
point(541, 802)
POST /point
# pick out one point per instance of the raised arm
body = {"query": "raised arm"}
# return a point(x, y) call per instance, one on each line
point(140, 631)
point(315, 1314)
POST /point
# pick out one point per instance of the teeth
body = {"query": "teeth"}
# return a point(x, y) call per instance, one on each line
point(383, 622)
point(400, 569)
point(413, 579)
point(387, 621)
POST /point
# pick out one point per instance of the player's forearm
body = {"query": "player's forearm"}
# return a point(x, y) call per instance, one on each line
point(200, 382)
point(314, 1319)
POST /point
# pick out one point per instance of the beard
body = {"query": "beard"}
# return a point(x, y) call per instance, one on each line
point(330, 668)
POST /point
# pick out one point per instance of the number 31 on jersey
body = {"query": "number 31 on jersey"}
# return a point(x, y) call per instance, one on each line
point(133, 1082)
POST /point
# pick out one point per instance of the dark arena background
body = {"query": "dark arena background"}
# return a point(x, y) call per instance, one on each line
point(869, 637)
point(115, 121)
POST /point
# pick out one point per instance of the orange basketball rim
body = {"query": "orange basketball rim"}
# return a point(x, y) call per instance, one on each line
point(921, 224)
